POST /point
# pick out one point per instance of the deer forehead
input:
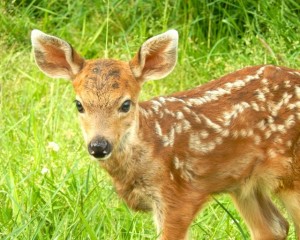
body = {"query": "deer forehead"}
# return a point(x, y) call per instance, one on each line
point(104, 81)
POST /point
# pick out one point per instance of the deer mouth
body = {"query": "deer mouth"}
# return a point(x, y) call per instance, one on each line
point(102, 157)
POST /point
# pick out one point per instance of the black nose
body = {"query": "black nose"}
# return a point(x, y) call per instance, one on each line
point(99, 147)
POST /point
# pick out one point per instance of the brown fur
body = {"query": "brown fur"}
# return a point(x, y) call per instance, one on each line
point(238, 135)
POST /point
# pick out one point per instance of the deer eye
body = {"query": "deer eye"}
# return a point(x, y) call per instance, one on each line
point(79, 106)
point(125, 106)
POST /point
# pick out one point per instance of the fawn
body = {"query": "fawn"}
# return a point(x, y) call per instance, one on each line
point(239, 134)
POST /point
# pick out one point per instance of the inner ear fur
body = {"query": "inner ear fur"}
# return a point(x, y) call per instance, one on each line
point(54, 56)
point(156, 58)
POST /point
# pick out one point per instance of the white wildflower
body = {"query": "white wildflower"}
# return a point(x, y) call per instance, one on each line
point(44, 170)
point(53, 146)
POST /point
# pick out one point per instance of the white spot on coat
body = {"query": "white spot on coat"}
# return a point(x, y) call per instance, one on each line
point(186, 125)
point(168, 140)
point(158, 129)
point(260, 95)
point(265, 81)
point(297, 91)
point(204, 134)
point(171, 176)
point(257, 139)
point(179, 115)
point(217, 128)
point(290, 122)
point(194, 141)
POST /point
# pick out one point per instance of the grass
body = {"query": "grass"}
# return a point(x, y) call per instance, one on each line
point(48, 194)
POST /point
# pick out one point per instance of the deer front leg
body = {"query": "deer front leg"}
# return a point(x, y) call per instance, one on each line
point(174, 216)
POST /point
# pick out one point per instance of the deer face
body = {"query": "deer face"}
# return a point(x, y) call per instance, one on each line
point(106, 90)
point(106, 99)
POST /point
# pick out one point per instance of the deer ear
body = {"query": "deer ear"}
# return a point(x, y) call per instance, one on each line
point(54, 56)
point(156, 58)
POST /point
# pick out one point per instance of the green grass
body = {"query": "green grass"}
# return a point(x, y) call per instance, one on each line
point(75, 198)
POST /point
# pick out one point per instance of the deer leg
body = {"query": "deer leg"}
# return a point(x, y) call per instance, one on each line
point(261, 216)
point(176, 215)
point(176, 223)
point(291, 201)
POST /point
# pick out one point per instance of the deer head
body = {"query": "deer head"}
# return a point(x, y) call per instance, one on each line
point(106, 90)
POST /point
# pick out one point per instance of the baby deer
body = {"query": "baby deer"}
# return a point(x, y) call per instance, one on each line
point(239, 134)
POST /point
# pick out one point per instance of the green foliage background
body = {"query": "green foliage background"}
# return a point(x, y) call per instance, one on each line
point(75, 199)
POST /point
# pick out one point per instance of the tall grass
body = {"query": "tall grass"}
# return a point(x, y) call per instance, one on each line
point(47, 193)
